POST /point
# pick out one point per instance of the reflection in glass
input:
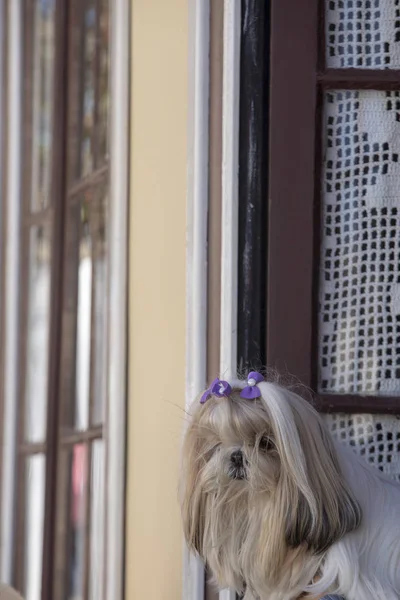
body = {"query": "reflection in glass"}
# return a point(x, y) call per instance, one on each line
point(37, 334)
point(83, 322)
point(42, 100)
point(88, 91)
point(77, 525)
point(100, 311)
point(97, 530)
point(34, 522)
point(103, 84)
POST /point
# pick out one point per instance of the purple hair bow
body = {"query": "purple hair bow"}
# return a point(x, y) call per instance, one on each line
point(218, 388)
point(252, 391)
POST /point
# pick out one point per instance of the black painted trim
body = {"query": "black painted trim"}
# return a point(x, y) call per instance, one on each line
point(253, 183)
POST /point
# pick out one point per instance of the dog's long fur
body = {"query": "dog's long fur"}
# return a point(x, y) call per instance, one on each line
point(305, 514)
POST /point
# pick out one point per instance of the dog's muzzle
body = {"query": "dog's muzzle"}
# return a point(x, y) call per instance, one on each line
point(237, 467)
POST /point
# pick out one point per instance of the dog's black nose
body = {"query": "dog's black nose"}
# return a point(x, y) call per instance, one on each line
point(237, 458)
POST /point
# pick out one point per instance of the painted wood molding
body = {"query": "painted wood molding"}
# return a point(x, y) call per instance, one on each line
point(12, 257)
point(230, 187)
point(197, 211)
point(118, 286)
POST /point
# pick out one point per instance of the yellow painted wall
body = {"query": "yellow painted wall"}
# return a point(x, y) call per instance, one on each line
point(157, 297)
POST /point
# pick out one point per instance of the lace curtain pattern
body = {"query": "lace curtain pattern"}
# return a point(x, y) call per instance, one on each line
point(359, 318)
point(375, 437)
point(363, 34)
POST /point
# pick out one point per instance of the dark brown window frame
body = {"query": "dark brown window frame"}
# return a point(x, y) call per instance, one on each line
point(298, 79)
point(76, 185)
point(53, 217)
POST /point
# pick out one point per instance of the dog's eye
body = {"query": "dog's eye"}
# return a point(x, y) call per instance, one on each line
point(266, 443)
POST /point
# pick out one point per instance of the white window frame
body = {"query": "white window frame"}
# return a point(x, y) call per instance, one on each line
point(197, 210)
point(118, 288)
point(11, 292)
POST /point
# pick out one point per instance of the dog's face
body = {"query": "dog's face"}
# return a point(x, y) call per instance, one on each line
point(262, 495)
point(236, 445)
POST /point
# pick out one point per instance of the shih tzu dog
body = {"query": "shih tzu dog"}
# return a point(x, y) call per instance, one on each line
point(276, 508)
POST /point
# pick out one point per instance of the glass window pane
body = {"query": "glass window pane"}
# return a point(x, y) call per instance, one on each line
point(363, 34)
point(34, 523)
point(104, 95)
point(88, 91)
point(359, 317)
point(42, 102)
point(97, 529)
point(84, 321)
point(38, 316)
point(376, 437)
point(77, 524)
point(100, 338)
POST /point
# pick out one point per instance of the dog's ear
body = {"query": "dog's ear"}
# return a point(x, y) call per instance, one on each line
point(324, 509)
point(319, 531)
point(316, 504)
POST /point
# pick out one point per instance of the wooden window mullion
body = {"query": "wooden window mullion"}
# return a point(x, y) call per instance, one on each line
point(88, 506)
point(67, 309)
point(44, 217)
point(295, 196)
point(3, 205)
point(358, 79)
point(30, 449)
point(57, 195)
point(94, 179)
point(71, 438)
point(293, 91)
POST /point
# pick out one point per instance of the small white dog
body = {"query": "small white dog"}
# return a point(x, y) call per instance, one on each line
point(276, 508)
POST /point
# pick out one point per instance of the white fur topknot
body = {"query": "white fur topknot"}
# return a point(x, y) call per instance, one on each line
point(309, 516)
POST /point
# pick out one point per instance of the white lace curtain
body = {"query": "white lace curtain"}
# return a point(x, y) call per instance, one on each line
point(359, 294)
